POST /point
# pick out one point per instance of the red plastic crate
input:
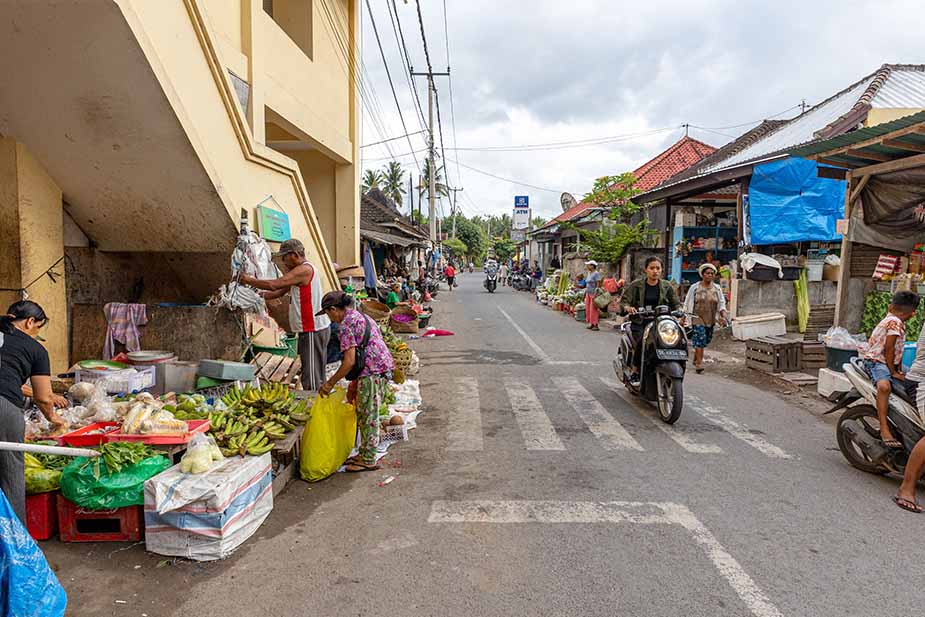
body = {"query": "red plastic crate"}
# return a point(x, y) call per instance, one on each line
point(193, 426)
point(79, 438)
point(42, 515)
point(76, 524)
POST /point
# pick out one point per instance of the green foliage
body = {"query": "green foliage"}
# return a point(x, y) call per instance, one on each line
point(876, 306)
point(456, 246)
point(616, 193)
point(470, 233)
point(393, 181)
point(538, 221)
point(504, 248)
point(440, 188)
point(609, 243)
point(372, 178)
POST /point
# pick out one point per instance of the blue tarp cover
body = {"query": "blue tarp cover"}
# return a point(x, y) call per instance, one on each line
point(788, 202)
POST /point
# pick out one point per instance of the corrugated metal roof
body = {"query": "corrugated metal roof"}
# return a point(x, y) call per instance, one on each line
point(857, 136)
point(905, 88)
point(799, 130)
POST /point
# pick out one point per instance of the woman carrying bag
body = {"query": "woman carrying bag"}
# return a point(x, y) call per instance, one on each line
point(706, 301)
point(367, 364)
point(22, 358)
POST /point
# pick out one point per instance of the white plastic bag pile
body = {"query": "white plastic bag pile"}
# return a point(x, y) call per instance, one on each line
point(251, 256)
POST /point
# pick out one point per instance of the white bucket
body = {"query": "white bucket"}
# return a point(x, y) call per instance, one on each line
point(814, 270)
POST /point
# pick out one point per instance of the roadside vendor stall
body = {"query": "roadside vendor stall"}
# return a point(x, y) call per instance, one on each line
point(884, 210)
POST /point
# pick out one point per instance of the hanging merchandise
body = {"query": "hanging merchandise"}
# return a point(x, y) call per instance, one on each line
point(251, 256)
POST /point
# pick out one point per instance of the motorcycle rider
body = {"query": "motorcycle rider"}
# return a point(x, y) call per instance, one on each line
point(648, 291)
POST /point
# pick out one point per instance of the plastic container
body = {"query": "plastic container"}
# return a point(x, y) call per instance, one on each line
point(176, 376)
point(79, 525)
point(80, 438)
point(223, 369)
point(193, 427)
point(831, 382)
point(814, 270)
point(42, 515)
point(835, 358)
point(908, 355)
point(120, 380)
point(755, 326)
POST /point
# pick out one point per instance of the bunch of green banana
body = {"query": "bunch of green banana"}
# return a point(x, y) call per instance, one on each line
point(254, 418)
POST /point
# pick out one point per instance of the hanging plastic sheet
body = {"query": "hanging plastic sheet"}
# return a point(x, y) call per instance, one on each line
point(891, 211)
point(788, 202)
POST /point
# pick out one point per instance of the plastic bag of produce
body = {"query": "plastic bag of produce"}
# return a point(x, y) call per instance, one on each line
point(81, 485)
point(27, 584)
point(328, 437)
point(201, 453)
point(39, 478)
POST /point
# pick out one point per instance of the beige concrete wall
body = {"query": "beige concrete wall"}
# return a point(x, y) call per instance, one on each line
point(31, 209)
point(879, 116)
point(318, 173)
point(212, 120)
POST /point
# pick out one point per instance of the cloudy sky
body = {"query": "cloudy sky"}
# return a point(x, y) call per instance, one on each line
point(527, 72)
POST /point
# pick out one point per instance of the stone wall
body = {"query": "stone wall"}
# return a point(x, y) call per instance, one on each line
point(757, 297)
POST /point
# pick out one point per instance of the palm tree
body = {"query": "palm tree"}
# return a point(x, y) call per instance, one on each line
point(372, 178)
point(393, 181)
point(440, 187)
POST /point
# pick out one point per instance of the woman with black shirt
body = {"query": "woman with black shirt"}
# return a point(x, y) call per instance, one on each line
point(22, 358)
point(649, 291)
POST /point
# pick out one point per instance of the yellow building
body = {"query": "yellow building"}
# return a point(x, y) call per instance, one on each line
point(134, 132)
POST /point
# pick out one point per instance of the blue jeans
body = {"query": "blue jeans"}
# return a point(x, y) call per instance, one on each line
point(878, 371)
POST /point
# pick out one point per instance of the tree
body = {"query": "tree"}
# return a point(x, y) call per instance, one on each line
point(456, 247)
point(504, 248)
point(616, 193)
point(372, 178)
point(470, 233)
point(538, 221)
point(439, 187)
point(393, 181)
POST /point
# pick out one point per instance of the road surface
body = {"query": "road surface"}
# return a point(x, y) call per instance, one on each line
point(535, 486)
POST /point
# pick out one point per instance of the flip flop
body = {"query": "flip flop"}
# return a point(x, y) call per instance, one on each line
point(698, 369)
point(361, 467)
point(907, 505)
point(892, 443)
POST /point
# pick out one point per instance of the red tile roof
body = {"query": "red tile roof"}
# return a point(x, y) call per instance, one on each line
point(672, 161)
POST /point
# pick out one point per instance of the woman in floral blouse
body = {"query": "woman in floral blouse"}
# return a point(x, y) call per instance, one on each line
point(369, 389)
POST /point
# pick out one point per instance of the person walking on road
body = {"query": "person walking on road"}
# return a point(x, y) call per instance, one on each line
point(503, 272)
point(368, 391)
point(22, 358)
point(707, 303)
point(304, 287)
point(592, 281)
point(450, 275)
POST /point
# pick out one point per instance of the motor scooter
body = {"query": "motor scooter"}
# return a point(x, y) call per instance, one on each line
point(491, 279)
point(663, 357)
point(858, 428)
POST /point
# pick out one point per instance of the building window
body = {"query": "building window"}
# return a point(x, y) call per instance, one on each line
point(294, 17)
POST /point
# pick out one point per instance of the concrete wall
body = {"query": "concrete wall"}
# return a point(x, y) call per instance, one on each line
point(32, 240)
point(757, 297)
point(853, 309)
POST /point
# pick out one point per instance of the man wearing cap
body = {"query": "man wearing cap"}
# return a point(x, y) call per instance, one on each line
point(592, 281)
point(304, 287)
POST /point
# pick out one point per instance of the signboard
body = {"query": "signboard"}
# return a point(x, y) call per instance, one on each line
point(518, 235)
point(521, 219)
point(521, 201)
point(272, 224)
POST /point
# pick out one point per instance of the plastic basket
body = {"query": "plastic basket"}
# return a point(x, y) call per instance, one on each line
point(119, 380)
point(393, 434)
point(193, 427)
point(80, 438)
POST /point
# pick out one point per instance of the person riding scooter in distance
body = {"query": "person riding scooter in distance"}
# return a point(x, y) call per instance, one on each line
point(883, 356)
point(648, 291)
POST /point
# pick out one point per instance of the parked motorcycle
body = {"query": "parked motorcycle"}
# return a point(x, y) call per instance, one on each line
point(431, 285)
point(520, 282)
point(858, 429)
point(491, 279)
point(663, 360)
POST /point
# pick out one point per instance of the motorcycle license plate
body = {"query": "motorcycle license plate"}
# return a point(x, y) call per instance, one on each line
point(671, 354)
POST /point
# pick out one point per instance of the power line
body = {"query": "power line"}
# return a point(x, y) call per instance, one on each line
point(753, 122)
point(376, 143)
point(446, 29)
point(388, 74)
point(417, 3)
point(403, 50)
point(532, 186)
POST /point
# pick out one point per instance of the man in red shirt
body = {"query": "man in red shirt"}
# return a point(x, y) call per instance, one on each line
point(450, 275)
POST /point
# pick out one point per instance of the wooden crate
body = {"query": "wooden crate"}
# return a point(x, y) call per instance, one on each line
point(813, 355)
point(273, 368)
point(821, 318)
point(773, 354)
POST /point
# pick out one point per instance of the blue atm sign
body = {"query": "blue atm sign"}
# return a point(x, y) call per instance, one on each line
point(521, 201)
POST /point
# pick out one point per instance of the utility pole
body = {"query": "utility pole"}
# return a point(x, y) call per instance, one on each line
point(453, 210)
point(431, 154)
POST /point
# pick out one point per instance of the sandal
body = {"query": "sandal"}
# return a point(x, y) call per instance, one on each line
point(360, 467)
point(698, 369)
point(893, 444)
point(907, 505)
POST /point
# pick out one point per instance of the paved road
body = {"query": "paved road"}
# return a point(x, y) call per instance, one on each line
point(534, 486)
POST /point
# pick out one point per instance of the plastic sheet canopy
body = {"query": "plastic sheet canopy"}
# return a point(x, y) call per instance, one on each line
point(788, 202)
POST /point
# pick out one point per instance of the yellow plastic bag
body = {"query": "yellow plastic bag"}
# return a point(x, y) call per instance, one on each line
point(328, 437)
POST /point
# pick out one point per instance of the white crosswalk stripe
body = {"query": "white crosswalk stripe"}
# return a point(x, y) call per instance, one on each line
point(466, 417)
point(535, 426)
point(604, 426)
point(735, 429)
point(675, 432)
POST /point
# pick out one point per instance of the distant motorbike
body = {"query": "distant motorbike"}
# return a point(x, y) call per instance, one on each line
point(431, 285)
point(491, 279)
point(663, 360)
point(520, 282)
point(858, 429)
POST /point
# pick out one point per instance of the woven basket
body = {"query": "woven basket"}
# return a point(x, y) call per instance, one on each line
point(377, 310)
point(401, 327)
point(402, 359)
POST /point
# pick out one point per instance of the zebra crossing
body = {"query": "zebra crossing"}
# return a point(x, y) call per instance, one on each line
point(538, 415)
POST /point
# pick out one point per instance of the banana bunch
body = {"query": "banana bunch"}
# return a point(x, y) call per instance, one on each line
point(256, 417)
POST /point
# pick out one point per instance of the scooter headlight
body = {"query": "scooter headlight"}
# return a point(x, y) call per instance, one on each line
point(668, 332)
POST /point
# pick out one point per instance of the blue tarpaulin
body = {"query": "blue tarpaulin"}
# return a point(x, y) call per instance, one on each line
point(788, 202)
